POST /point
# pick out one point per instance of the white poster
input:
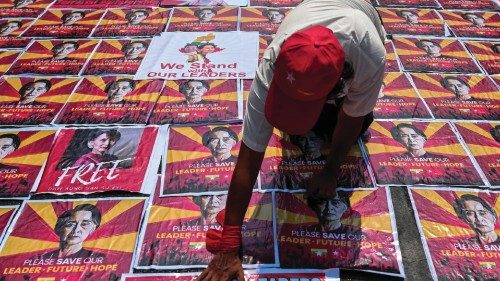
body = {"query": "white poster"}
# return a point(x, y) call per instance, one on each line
point(201, 55)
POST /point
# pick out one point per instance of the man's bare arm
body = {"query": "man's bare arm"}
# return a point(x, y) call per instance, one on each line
point(347, 130)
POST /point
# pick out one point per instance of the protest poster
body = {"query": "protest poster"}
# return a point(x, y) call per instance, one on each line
point(7, 57)
point(469, 4)
point(261, 19)
point(409, 3)
point(246, 85)
point(23, 8)
point(53, 57)
point(173, 235)
point(103, 4)
point(199, 19)
point(11, 31)
point(191, 55)
point(197, 101)
point(487, 53)
point(88, 160)
point(201, 158)
point(43, 244)
point(170, 3)
point(275, 3)
point(111, 100)
point(391, 61)
point(412, 21)
point(117, 57)
point(6, 215)
point(65, 23)
point(290, 161)
point(22, 158)
point(483, 141)
point(355, 230)
point(33, 101)
point(473, 24)
point(458, 228)
point(451, 96)
point(132, 22)
point(398, 99)
point(434, 55)
point(264, 42)
point(408, 152)
point(264, 274)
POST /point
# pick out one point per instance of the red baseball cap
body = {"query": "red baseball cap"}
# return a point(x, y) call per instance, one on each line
point(307, 68)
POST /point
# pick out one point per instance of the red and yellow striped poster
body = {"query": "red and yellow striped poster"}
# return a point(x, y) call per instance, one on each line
point(54, 57)
point(391, 61)
point(398, 99)
point(6, 60)
point(11, 31)
point(412, 21)
point(487, 53)
point(22, 158)
point(263, 20)
point(174, 234)
point(468, 4)
point(275, 3)
point(354, 230)
point(473, 24)
point(483, 140)
point(409, 3)
point(404, 152)
point(132, 22)
point(65, 23)
point(460, 232)
point(6, 215)
point(451, 96)
point(23, 8)
point(73, 239)
point(199, 19)
point(196, 101)
point(434, 55)
point(111, 100)
point(33, 101)
point(290, 161)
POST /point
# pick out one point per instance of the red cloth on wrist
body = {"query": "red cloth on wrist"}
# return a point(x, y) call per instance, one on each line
point(227, 240)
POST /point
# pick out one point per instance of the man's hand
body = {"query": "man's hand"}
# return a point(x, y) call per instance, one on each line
point(223, 267)
point(322, 185)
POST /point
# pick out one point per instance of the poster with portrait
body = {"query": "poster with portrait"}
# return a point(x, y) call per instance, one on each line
point(290, 161)
point(197, 101)
point(452, 96)
point(111, 100)
point(54, 57)
point(409, 3)
point(483, 141)
point(469, 4)
point(22, 158)
point(473, 24)
point(23, 8)
point(6, 215)
point(192, 19)
point(459, 230)
point(487, 53)
point(65, 23)
point(398, 99)
point(434, 55)
point(496, 79)
point(103, 159)
point(391, 61)
point(170, 3)
point(132, 22)
point(200, 159)
point(262, 274)
point(412, 21)
point(355, 230)
point(33, 101)
point(261, 19)
point(72, 239)
point(102, 4)
point(174, 234)
point(200, 55)
point(7, 57)
point(11, 31)
point(405, 152)
point(117, 57)
point(275, 3)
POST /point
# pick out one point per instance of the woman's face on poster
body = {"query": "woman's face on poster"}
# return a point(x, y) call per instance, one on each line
point(101, 144)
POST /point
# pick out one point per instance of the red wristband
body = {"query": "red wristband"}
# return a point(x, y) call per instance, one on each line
point(227, 240)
